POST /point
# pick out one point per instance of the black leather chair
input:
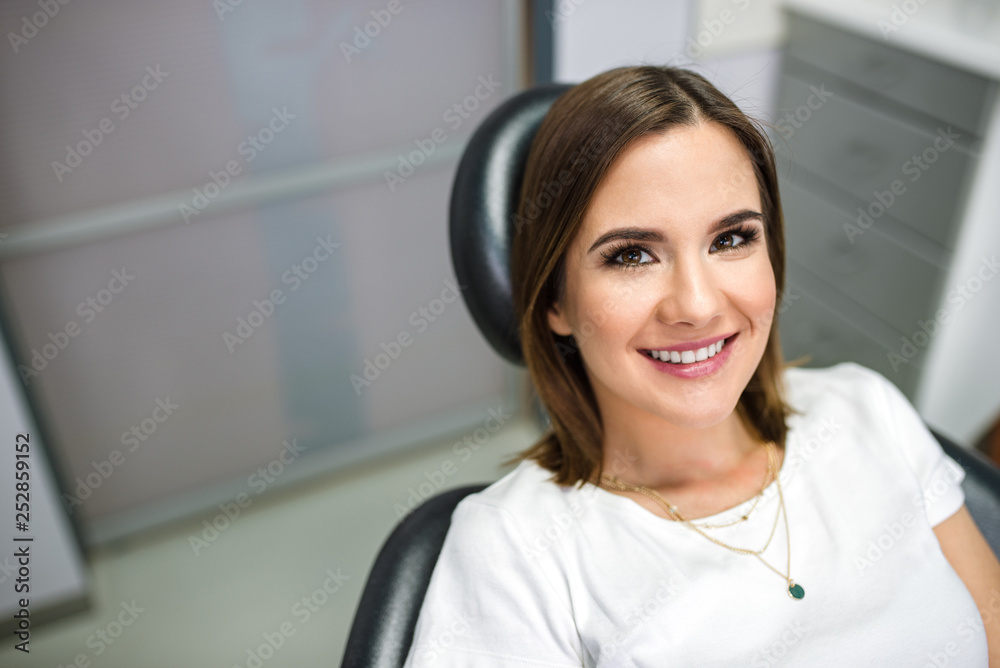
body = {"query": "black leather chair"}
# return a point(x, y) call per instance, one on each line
point(483, 203)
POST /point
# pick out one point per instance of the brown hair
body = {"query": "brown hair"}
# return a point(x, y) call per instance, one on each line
point(582, 135)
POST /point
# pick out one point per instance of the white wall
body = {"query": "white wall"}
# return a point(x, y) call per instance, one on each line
point(734, 43)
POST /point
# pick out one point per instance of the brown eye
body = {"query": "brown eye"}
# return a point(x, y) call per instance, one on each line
point(735, 240)
point(632, 256)
point(728, 240)
point(627, 256)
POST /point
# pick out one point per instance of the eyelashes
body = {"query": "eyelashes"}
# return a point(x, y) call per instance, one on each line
point(740, 239)
point(748, 233)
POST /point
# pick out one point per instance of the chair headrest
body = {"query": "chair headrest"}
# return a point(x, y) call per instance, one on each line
point(484, 200)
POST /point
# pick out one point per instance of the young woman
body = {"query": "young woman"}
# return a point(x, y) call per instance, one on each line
point(695, 502)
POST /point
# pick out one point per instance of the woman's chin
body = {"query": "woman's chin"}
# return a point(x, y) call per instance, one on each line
point(695, 417)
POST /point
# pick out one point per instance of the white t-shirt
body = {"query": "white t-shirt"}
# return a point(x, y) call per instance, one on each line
point(536, 574)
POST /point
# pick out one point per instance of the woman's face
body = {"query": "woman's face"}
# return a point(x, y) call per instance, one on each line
point(671, 256)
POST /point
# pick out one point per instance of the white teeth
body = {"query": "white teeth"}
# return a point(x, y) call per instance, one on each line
point(688, 356)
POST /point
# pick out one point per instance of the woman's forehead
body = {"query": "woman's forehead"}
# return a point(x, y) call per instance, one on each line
point(686, 174)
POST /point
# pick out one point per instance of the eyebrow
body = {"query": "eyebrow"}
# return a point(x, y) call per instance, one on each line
point(645, 234)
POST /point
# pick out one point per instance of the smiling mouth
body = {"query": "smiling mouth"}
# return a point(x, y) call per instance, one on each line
point(688, 356)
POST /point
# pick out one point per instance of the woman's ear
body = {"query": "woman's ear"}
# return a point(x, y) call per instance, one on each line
point(557, 320)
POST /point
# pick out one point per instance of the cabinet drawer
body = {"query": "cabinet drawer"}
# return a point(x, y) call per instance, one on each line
point(953, 95)
point(869, 267)
point(808, 327)
point(864, 152)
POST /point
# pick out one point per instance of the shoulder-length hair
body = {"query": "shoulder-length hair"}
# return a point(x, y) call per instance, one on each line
point(582, 135)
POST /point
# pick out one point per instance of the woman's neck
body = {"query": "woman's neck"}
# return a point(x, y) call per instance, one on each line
point(645, 450)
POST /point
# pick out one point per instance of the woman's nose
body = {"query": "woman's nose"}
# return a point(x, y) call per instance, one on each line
point(691, 294)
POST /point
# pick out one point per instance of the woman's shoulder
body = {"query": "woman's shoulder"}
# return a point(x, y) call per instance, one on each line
point(847, 375)
point(848, 404)
point(861, 409)
point(527, 486)
point(848, 384)
point(523, 498)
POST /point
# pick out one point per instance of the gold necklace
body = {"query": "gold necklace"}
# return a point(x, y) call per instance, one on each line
point(768, 472)
point(795, 591)
point(677, 516)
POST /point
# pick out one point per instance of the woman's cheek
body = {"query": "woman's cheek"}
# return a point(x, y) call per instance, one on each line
point(759, 293)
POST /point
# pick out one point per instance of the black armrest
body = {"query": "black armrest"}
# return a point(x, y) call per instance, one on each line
point(382, 631)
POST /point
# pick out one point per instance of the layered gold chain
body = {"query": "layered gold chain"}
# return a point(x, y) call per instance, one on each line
point(794, 590)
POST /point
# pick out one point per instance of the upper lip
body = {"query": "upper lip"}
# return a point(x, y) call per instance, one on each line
point(694, 345)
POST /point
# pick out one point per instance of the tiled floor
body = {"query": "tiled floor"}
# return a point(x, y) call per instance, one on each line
point(213, 608)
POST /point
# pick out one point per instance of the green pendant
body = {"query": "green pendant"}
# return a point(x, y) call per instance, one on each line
point(796, 591)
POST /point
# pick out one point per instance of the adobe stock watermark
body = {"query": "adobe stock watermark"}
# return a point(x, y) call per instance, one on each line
point(223, 7)
point(570, 345)
point(249, 148)
point(296, 276)
point(828, 429)
point(420, 320)
point(135, 436)
point(579, 161)
point(106, 636)
point(899, 16)
point(639, 615)
point(363, 35)
point(788, 297)
point(88, 309)
point(915, 167)
point(429, 653)
point(122, 107)
point(7, 569)
point(454, 116)
point(808, 445)
point(894, 531)
point(966, 630)
point(563, 10)
point(957, 297)
point(567, 346)
point(710, 30)
point(302, 611)
point(31, 25)
point(562, 521)
point(463, 449)
point(774, 654)
point(885, 541)
point(259, 481)
point(793, 120)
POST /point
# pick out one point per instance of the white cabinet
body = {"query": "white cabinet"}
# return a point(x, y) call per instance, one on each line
point(883, 146)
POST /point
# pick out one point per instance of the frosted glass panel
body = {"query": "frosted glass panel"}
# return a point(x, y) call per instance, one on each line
point(193, 353)
point(182, 92)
